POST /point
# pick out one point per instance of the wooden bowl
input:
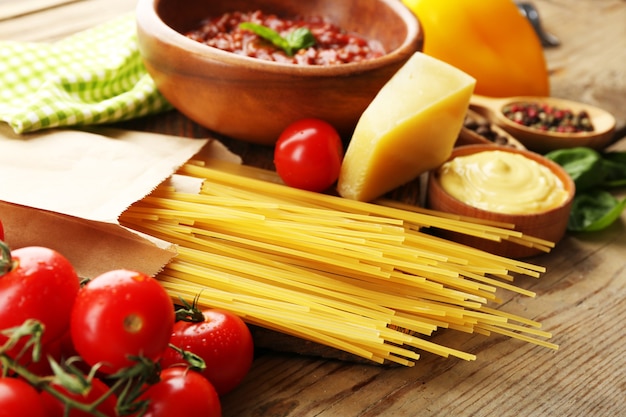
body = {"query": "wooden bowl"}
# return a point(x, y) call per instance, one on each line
point(548, 225)
point(468, 136)
point(254, 100)
point(544, 142)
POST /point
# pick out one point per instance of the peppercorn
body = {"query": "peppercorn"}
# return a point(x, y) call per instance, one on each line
point(483, 128)
point(544, 117)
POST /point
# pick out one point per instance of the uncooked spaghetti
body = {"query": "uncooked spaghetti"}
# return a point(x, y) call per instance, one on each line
point(364, 278)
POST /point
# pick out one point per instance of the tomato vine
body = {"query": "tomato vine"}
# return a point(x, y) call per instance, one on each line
point(95, 347)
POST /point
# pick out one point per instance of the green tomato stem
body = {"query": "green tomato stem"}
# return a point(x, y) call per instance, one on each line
point(194, 361)
point(189, 312)
point(130, 381)
point(43, 383)
point(7, 264)
point(31, 329)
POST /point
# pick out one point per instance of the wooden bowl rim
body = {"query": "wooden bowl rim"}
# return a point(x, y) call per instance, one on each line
point(148, 18)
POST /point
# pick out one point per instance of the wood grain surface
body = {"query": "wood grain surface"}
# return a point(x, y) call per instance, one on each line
point(580, 299)
point(590, 64)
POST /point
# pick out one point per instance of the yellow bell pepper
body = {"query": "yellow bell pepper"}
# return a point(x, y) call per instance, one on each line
point(488, 39)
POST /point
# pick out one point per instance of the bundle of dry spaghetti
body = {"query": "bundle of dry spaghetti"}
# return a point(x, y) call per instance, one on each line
point(360, 277)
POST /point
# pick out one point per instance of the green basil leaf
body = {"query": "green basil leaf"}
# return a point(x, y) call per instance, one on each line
point(593, 208)
point(300, 38)
point(615, 183)
point(266, 33)
point(614, 165)
point(593, 211)
point(616, 156)
point(584, 165)
point(297, 39)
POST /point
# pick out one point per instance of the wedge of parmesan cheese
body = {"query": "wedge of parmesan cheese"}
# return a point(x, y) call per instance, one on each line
point(409, 128)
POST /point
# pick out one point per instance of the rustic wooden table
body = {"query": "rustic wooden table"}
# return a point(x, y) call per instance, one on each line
point(580, 299)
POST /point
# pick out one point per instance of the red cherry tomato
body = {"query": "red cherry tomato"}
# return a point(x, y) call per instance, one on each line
point(41, 285)
point(18, 398)
point(120, 314)
point(182, 392)
point(308, 155)
point(55, 408)
point(223, 340)
point(1, 231)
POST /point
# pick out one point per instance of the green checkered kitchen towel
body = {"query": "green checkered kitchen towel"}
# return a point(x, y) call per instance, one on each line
point(93, 77)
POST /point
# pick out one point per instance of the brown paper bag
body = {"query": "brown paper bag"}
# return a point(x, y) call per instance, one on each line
point(65, 189)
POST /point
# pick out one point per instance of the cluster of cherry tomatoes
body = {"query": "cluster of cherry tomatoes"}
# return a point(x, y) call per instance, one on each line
point(114, 345)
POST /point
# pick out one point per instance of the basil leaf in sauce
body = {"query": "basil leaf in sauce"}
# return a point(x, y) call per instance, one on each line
point(298, 39)
point(301, 38)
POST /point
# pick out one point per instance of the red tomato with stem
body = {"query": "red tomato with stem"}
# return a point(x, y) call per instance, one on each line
point(308, 155)
point(98, 389)
point(40, 284)
point(121, 314)
point(19, 398)
point(182, 392)
point(223, 340)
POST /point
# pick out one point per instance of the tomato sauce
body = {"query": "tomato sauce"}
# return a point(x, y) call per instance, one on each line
point(333, 45)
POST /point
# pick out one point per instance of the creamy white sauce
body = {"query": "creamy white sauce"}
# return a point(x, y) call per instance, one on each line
point(502, 182)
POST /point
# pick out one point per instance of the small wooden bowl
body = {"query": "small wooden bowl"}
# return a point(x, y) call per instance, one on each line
point(544, 142)
point(470, 137)
point(254, 100)
point(549, 225)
